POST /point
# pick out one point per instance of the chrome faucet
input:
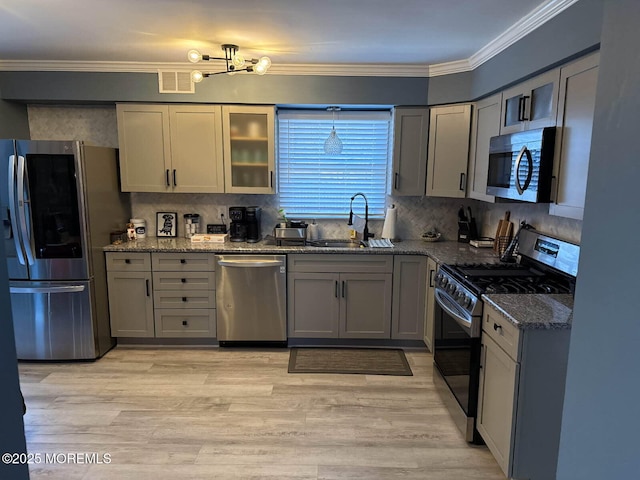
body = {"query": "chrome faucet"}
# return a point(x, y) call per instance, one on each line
point(365, 232)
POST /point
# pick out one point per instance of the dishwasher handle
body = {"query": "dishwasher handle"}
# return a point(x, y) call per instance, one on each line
point(250, 263)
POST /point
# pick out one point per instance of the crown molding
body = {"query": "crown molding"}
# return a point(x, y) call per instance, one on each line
point(449, 68)
point(539, 16)
point(542, 14)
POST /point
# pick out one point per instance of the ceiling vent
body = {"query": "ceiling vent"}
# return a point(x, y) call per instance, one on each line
point(175, 82)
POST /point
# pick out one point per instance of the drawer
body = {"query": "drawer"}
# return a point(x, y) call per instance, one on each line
point(197, 322)
point(184, 299)
point(503, 332)
point(128, 262)
point(183, 262)
point(341, 263)
point(184, 280)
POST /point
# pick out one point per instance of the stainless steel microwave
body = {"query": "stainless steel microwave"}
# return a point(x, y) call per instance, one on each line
point(521, 165)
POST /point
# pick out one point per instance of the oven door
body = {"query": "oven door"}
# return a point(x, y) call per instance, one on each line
point(457, 361)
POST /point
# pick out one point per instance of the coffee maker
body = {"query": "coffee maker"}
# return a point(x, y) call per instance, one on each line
point(238, 227)
point(253, 224)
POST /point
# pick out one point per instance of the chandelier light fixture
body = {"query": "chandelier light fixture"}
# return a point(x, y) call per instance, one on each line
point(333, 144)
point(234, 61)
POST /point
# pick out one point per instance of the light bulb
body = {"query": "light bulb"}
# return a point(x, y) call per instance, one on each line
point(194, 56)
point(266, 61)
point(196, 76)
point(260, 69)
point(238, 60)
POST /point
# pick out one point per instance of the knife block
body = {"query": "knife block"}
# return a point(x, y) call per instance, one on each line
point(467, 231)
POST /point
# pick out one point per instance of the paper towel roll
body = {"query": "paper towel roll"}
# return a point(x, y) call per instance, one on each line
point(389, 227)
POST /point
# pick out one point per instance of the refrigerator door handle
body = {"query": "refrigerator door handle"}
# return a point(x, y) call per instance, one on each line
point(22, 215)
point(13, 211)
point(54, 289)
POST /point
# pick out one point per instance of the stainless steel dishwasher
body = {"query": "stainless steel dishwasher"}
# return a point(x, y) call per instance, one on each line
point(251, 299)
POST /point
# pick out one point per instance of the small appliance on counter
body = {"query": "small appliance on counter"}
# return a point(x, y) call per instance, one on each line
point(467, 229)
point(293, 233)
point(238, 227)
point(253, 224)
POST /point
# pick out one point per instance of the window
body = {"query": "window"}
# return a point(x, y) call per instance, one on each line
point(313, 184)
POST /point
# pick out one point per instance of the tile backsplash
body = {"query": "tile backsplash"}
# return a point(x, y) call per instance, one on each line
point(96, 125)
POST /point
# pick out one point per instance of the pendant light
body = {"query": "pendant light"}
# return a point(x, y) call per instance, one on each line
point(333, 144)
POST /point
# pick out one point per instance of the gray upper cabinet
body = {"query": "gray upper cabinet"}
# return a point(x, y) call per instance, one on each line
point(411, 127)
point(485, 124)
point(170, 148)
point(578, 82)
point(449, 129)
point(409, 291)
point(531, 104)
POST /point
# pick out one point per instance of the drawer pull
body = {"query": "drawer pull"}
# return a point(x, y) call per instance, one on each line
point(184, 299)
point(126, 260)
point(183, 261)
point(185, 323)
point(497, 328)
point(183, 280)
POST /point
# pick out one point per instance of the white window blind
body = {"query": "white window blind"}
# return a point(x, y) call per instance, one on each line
point(313, 184)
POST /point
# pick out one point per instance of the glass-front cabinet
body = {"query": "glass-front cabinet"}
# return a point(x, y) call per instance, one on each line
point(249, 149)
point(531, 104)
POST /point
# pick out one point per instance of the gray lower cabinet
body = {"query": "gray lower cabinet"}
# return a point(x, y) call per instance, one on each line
point(409, 292)
point(340, 296)
point(184, 294)
point(430, 304)
point(161, 294)
point(522, 380)
point(130, 294)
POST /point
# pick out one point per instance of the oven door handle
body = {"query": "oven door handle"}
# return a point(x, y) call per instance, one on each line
point(451, 308)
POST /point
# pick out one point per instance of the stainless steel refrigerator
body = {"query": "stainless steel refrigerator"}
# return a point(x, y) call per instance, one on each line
point(59, 201)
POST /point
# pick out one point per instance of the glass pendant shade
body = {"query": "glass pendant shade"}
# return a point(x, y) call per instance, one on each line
point(333, 144)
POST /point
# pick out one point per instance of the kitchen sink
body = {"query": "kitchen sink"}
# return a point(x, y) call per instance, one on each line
point(336, 243)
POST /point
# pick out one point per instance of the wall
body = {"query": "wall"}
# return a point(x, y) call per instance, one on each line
point(13, 120)
point(107, 88)
point(600, 422)
point(97, 125)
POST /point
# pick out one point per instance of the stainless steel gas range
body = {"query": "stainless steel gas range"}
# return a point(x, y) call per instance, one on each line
point(546, 265)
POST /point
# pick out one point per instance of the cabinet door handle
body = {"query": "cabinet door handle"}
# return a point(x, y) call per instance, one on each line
point(147, 287)
point(462, 181)
point(127, 261)
point(271, 178)
point(395, 180)
point(183, 261)
point(524, 108)
point(343, 289)
point(336, 291)
point(497, 328)
point(431, 272)
point(167, 178)
point(175, 184)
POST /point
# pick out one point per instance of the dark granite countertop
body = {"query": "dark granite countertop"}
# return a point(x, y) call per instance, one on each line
point(441, 252)
point(534, 311)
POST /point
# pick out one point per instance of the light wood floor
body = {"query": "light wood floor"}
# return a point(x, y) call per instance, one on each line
point(237, 414)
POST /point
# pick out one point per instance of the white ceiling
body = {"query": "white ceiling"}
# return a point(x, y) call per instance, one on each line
point(393, 35)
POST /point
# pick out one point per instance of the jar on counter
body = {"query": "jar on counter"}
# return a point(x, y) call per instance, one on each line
point(191, 224)
point(140, 225)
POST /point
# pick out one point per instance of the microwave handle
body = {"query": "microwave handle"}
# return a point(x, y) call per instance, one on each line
point(521, 188)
